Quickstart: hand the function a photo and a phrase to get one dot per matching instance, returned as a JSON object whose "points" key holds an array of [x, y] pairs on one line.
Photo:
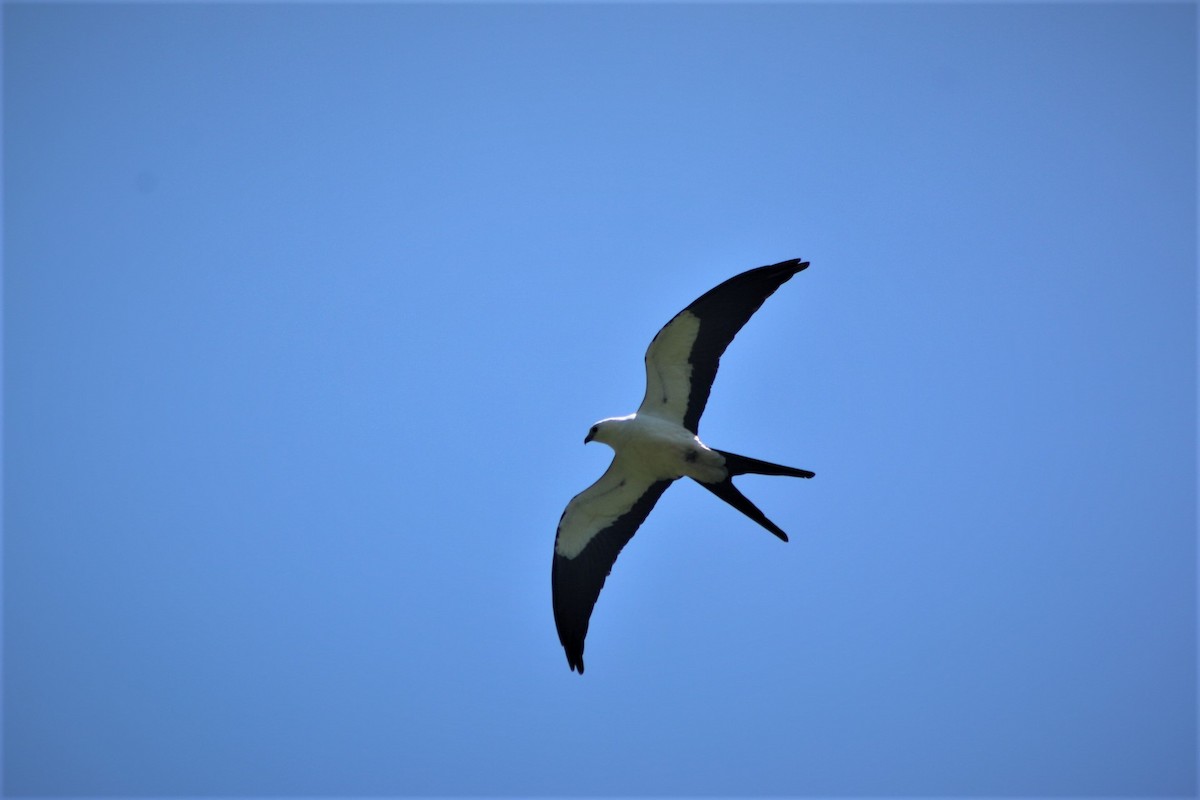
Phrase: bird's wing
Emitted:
{"points": [[682, 361], [596, 524]]}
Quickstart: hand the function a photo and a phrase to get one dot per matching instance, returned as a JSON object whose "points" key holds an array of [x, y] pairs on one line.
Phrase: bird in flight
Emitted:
{"points": [[656, 446]]}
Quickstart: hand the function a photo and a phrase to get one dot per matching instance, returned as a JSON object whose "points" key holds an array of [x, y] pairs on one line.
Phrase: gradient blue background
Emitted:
{"points": [[307, 309]]}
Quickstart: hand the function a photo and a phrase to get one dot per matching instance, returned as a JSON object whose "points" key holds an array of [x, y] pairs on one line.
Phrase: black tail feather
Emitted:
{"points": [[730, 494], [741, 465]]}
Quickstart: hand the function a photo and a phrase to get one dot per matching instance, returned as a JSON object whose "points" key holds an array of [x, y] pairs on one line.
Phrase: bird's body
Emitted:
{"points": [[656, 446], [661, 447]]}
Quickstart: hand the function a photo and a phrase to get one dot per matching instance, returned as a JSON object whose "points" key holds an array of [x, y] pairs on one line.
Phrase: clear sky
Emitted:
{"points": [[307, 309]]}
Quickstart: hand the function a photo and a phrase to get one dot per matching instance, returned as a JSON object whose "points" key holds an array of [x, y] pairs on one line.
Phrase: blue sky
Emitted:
{"points": [[307, 309]]}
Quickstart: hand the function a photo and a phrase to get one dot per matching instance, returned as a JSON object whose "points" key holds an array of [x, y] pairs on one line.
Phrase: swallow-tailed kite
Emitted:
{"points": [[658, 445]]}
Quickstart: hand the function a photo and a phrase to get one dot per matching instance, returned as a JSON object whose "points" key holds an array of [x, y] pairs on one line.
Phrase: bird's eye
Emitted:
{"points": [[592, 432]]}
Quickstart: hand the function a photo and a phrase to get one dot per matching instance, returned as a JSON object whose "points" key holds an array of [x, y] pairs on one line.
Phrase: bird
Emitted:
{"points": [[657, 445]]}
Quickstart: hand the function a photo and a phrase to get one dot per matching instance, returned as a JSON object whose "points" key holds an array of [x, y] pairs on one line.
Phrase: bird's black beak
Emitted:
{"points": [[587, 438]]}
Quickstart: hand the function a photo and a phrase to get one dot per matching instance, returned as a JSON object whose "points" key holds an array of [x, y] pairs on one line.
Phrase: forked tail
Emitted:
{"points": [[741, 465]]}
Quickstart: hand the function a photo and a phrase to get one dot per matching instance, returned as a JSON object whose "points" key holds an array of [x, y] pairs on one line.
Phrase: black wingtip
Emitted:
{"points": [[794, 264]]}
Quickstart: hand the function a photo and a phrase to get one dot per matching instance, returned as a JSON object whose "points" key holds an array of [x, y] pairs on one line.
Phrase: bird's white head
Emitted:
{"points": [[606, 431]]}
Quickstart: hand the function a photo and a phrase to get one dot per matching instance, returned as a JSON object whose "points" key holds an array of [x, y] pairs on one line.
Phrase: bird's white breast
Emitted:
{"points": [[668, 450]]}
